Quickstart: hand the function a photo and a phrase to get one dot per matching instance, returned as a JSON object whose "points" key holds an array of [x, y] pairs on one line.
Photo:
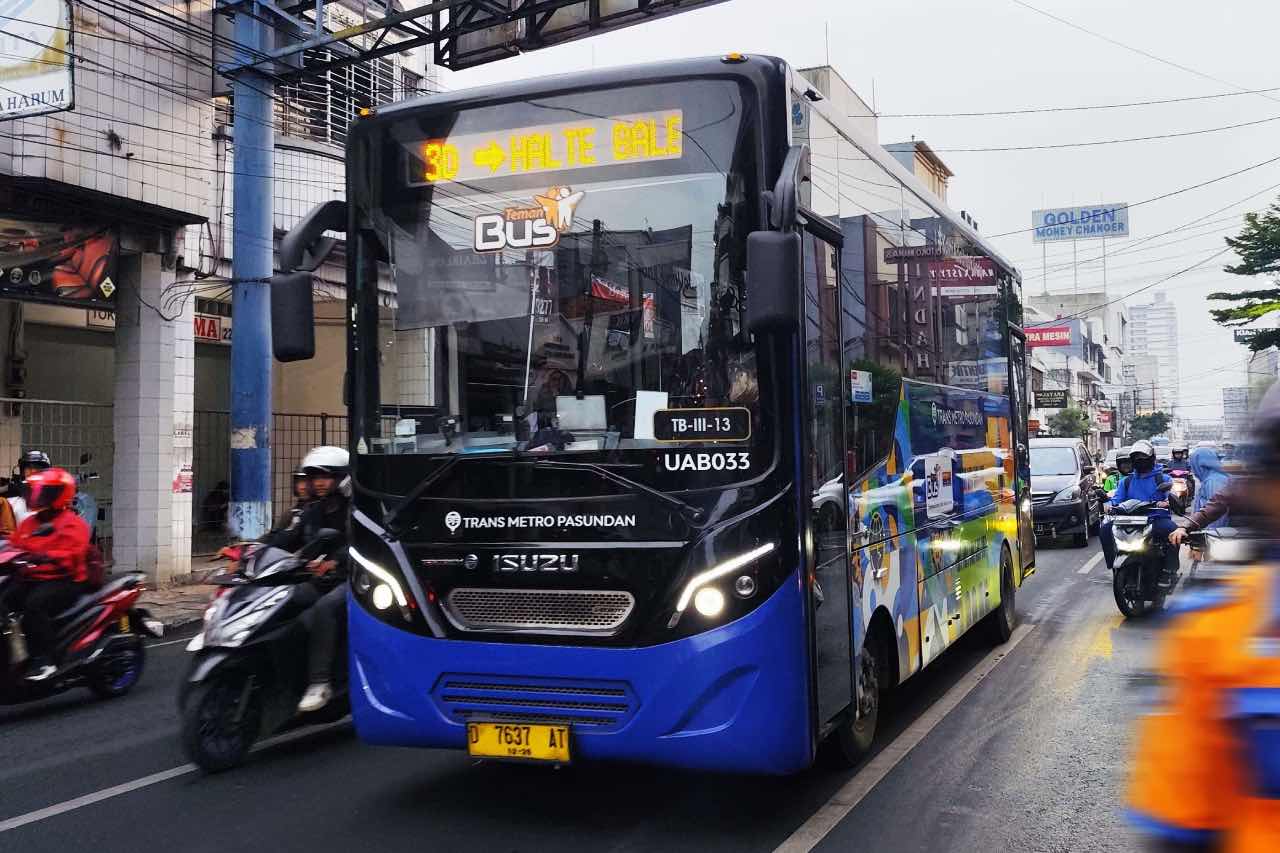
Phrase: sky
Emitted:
{"points": [[948, 56]]}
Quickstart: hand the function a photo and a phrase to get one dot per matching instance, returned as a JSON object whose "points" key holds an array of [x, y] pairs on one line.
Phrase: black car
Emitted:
{"points": [[1064, 490]]}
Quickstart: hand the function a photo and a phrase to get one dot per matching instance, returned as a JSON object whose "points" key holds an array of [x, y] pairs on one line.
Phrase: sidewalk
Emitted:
{"points": [[177, 606]]}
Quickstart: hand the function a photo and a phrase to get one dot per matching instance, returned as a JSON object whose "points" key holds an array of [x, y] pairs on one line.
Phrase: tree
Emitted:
{"points": [[1145, 426], [1258, 246], [1073, 423]]}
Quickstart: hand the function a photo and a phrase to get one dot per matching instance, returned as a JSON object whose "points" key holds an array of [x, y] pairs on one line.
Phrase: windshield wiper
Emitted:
{"points": [[418, 491], [688, 511]]}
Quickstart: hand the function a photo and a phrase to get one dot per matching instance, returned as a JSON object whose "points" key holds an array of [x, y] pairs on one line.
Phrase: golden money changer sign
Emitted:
{"points": [[604, 141], [35, 57]]}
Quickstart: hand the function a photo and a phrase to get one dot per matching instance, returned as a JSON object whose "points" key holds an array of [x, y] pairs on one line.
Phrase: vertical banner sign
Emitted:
{"points": [[36, 74], [1080, 223]]}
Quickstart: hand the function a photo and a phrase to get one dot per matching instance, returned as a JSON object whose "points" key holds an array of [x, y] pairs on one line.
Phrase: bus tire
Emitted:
{"points": [[853, 739], [1002, 620]]}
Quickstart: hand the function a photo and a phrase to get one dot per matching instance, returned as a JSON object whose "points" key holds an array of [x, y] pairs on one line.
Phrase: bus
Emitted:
{"points": [[685, 422]]}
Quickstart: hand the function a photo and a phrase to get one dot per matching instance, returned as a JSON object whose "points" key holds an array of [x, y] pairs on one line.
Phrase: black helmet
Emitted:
{"points": [[34, 459]]}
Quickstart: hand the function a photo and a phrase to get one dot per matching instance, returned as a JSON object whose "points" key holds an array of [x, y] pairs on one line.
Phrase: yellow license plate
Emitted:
{"points": [[525, 742]]}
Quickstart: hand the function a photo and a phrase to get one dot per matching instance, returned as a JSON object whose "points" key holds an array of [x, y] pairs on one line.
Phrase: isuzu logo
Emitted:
{"points": [[535, 562]]}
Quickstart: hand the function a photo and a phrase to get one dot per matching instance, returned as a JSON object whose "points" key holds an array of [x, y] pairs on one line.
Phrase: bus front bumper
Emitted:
{"points": [[735, 698]]}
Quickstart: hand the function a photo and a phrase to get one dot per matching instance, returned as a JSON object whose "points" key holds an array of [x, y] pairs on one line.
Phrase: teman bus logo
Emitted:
{"points": [[535, 227], [453, 520]]}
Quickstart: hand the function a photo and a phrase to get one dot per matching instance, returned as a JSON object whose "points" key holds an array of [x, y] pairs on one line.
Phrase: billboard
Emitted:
{"points": [[35, 57], [1081, 223], [1051, 399], [65, 263], [1049, 336]]}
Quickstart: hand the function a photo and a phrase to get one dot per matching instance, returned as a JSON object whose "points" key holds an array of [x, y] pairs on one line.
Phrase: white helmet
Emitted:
{"points": [[1142, 447], [331, 460]]}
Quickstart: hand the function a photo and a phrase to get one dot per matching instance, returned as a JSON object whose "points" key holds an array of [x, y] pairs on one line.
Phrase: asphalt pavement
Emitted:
{"points": [[1020, 749]]}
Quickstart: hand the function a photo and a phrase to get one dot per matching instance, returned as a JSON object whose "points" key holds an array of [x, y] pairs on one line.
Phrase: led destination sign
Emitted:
{"points": [[606, 141]]}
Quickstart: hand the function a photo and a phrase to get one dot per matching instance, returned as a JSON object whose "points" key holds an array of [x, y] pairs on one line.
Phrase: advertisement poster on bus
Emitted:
{"points": [[36, 58], [64, 263], [939, 494]]}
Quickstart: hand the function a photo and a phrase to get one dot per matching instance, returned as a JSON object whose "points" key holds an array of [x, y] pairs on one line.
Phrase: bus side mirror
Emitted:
{"points": [[773, 282], [293, 328]]}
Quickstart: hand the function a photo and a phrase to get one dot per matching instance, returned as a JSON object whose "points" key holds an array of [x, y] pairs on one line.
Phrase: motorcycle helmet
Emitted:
{"points": [[52, 488], [332, 461], [1180, 452], [1143, 456]]}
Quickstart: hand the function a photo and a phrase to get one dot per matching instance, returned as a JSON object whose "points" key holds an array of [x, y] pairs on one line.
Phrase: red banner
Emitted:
{"points": [[605, 289], [1049, 336]]}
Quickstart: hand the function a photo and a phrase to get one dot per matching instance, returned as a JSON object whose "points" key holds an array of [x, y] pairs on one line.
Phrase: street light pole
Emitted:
{"points": [[249, 514]]}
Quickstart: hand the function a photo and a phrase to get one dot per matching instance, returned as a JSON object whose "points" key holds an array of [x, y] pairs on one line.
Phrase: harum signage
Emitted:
{"points": [[1051, 399], [1081, 223], [35, 57]]}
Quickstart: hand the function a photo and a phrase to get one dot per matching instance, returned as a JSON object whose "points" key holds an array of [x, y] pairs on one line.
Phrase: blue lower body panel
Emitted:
{"points": [[735, 698]]}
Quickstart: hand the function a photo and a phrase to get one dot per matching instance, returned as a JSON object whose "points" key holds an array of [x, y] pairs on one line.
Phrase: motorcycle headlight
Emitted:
{"points": [[1069, 495], [1132, 541], [233, 630]]}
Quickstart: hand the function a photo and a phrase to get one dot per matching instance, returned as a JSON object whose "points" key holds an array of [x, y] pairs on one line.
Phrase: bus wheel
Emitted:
{"points": [[1004, 618], [850, 743]]}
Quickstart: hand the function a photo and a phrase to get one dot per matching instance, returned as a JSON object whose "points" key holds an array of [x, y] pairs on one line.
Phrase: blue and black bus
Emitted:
{"points": [[685, 422]]}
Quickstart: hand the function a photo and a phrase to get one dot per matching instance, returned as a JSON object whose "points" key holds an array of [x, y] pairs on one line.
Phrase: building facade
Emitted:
{"points": [[1153, 329], [133, 372]]}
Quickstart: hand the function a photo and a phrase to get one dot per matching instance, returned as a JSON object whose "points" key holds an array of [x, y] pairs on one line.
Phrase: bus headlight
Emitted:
{"points": [[379, 586], [709, 600]]}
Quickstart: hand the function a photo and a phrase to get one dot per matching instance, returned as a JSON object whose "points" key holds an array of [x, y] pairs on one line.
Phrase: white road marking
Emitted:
{"points": [[1088, 566], [147, 781], [168, 643], [825, 819]]}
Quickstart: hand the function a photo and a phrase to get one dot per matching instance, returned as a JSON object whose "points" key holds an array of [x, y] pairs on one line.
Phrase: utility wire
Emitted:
{"points": [[1084, 108], [1093, 143]]}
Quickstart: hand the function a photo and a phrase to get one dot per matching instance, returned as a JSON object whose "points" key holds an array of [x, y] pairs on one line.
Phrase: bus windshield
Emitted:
{"points": [[561, 269]]}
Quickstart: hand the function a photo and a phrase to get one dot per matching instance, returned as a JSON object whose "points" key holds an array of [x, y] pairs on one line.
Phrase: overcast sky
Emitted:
{"points": [[942, 56]]}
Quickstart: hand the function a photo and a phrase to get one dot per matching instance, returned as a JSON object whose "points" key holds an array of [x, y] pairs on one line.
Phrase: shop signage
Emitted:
{"points": [[894, 254], [1051, 399], [963, 276], [35, 58], [1102, 420], [860, 386], [1081, 223], [58, 262], [1244, 336], [212, 329], [1049, 336]]}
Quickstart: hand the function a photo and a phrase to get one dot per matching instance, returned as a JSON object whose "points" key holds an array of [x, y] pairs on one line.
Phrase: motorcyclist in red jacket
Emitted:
{"points": [[55, 544]]}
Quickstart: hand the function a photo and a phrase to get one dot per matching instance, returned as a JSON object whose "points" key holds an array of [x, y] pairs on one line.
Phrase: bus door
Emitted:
{"points": [[825, 475], [1021, 449]]}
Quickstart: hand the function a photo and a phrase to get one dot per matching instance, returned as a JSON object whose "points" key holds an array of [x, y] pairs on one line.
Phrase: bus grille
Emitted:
{"points": [[599, 705], [539, 611]]}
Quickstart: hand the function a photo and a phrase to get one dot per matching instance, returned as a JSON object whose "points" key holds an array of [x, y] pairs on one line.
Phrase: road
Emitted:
{"points": [[1017, 751]]}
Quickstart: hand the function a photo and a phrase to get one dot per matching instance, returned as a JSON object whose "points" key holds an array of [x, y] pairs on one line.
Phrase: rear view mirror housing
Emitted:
{"points": [[773, 282], [293, 328]]}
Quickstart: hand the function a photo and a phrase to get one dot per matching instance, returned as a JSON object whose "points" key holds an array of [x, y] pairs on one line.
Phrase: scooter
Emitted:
{"points": [[1138, 581], [249, 667], [99, 640]]}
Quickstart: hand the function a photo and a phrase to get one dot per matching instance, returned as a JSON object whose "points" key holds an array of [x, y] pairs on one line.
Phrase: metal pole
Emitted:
{"points": [[1044, 269], [1075, 269], [1104, 269], [251, 267]]}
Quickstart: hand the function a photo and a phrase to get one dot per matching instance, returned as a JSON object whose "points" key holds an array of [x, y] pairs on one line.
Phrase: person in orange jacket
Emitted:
{"points": [[1206, 773], [55, 543]]}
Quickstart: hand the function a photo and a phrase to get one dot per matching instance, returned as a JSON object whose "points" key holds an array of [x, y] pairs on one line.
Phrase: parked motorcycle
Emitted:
{"points": [[99, 640], [249, 669], [1139, 580]]}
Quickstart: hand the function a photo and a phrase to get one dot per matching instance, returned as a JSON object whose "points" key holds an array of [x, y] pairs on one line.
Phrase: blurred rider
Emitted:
{"points": [[1207, 762]]}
